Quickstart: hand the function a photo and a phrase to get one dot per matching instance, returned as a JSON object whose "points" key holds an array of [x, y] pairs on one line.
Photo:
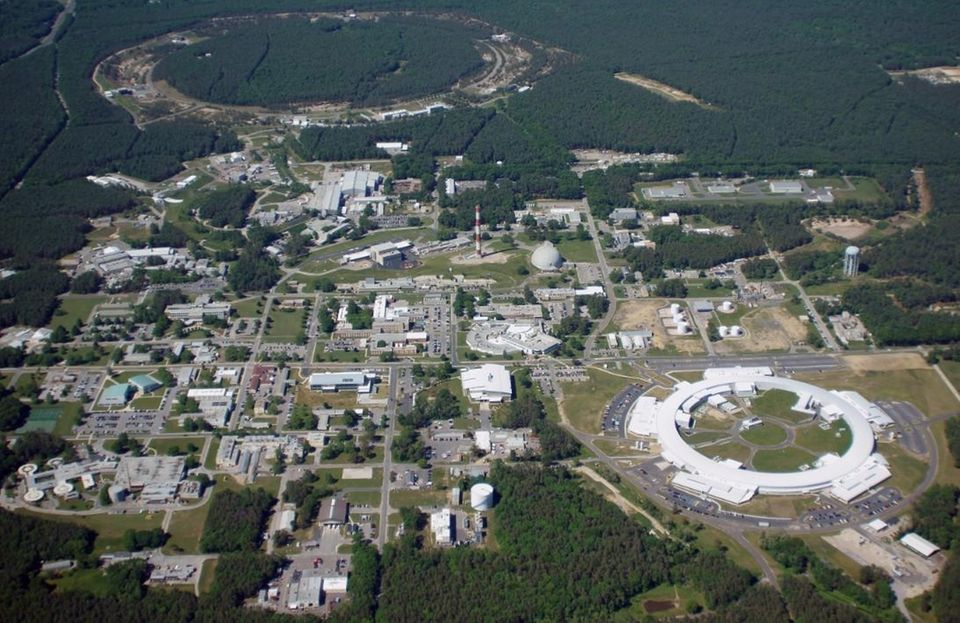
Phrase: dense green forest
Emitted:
{"points": [[277, 61], [236, 520], [23, 23]]}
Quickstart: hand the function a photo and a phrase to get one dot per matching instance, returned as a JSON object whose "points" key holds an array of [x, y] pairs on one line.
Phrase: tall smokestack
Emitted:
{"points": [[477, 231]]}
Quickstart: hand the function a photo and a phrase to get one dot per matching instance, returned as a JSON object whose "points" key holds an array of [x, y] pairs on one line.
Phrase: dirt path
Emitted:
{"points": [[617, 498], [923, 191]]}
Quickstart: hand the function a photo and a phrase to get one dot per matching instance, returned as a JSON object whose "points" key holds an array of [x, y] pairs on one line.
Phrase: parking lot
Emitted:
{"points": [[615, 413]]}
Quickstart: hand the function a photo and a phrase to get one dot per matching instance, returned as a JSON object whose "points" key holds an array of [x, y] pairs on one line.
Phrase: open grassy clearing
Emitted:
{"points": [[787, 459], [837, 438], [248, 308], [922, 387], [774, 402], [727, 450], [108, 526], [163, 445], [58, 419], [578, 250], [73, 308], [87, 580], [285, 325], [775, 505], [417, 497], [365, 498], [583, 402], [908, 471], [951, 369], [765, 434], [207, 573]]}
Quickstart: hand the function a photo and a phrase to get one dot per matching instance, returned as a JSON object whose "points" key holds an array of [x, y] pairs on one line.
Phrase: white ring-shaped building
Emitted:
{"points": [[687, 397]]}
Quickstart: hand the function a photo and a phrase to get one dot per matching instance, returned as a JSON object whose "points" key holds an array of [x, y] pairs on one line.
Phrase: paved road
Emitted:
{"points": [[392, 413]]}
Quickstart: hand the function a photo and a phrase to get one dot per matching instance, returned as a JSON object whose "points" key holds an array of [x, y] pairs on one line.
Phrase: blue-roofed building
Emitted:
{"points": [[145, 383], [116, 395]]}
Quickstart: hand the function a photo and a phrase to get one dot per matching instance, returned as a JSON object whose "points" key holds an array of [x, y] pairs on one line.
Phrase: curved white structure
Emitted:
{"points": [[675, 449], [481, 496], [546, 257], [33, 496]]}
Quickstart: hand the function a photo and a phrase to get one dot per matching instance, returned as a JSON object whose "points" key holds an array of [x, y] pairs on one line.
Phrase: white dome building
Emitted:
{"points": [[546, 257]]}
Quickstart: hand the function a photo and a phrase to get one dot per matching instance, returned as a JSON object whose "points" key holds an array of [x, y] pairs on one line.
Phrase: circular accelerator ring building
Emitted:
{"points": [[844, 477]]}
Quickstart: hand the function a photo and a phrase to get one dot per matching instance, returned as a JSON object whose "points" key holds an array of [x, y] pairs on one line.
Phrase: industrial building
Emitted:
{"points": [[677, 190], [786, 187], [116, 395], [334, 512], [488, 383], [359, 182], [504, 338], [192, 313], [919, 544], [441, 524], [360, 381], [845, 477], [145, 383], [214, 404]]}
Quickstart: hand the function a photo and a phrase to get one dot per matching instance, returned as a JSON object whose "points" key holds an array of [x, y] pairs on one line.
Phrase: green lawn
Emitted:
{"points": [[147, 403], [908, 471], [922, 387], [583, 402], [784, 460], [73, 308], [211, 461], [412, 497], [285, 325], [765, 434], [87, 580], [369, 498], [680, 596], [162, 445], [776, 403], [952, 371], [837, 438], [727, 450], [207, 573], [578, 250], [108, 526], [247, 308]]}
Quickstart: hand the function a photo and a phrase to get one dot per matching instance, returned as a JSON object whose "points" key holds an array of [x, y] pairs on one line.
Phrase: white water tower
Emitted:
{"points": [[851, 261], [481, 496]]}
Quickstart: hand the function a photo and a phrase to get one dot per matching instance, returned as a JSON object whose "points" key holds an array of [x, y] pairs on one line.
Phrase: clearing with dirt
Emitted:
{"points": [[923, 191], [662, 89], [767, 329], [848, 229], [885, 363], [633, 315]]}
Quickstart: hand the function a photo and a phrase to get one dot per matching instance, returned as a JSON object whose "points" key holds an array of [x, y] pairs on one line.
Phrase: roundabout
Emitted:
{"points": [[845, 476]]}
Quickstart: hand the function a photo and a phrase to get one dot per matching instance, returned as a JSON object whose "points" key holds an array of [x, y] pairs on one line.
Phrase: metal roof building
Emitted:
{"points": [[488, 383]]}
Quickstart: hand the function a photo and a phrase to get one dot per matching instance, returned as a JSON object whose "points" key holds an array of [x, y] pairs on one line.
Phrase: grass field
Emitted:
{"points": [[211, 461], [162, 445], [87, 580], [951, 369], [73, 308], [784, 460], [777, 403], [946, 472], [922, 387], [727, 450], [285, 325], [247, 308], [766, 434], [368, 498], [207, 573], [414, 497], [908, 471], [837, 438], [108, 526], [147, 403], [583, 403], [776, 505], [578, 250]]}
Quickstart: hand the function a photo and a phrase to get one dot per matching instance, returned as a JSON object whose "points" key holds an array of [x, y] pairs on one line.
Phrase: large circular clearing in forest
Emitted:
{"points": [[295, 59]]}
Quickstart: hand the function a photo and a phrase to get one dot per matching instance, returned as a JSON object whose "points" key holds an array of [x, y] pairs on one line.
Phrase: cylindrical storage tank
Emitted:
{"points": [[726, 306], [33, 496], [26, 469], [723, 331], [55, 462], [674, 308], [678, 318], [63, 489], [736, 330], [481, 496], [683, 327]]}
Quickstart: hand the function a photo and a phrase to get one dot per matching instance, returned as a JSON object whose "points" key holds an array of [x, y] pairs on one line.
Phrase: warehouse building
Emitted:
{"points": [[360, 381], [488, 383]]}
